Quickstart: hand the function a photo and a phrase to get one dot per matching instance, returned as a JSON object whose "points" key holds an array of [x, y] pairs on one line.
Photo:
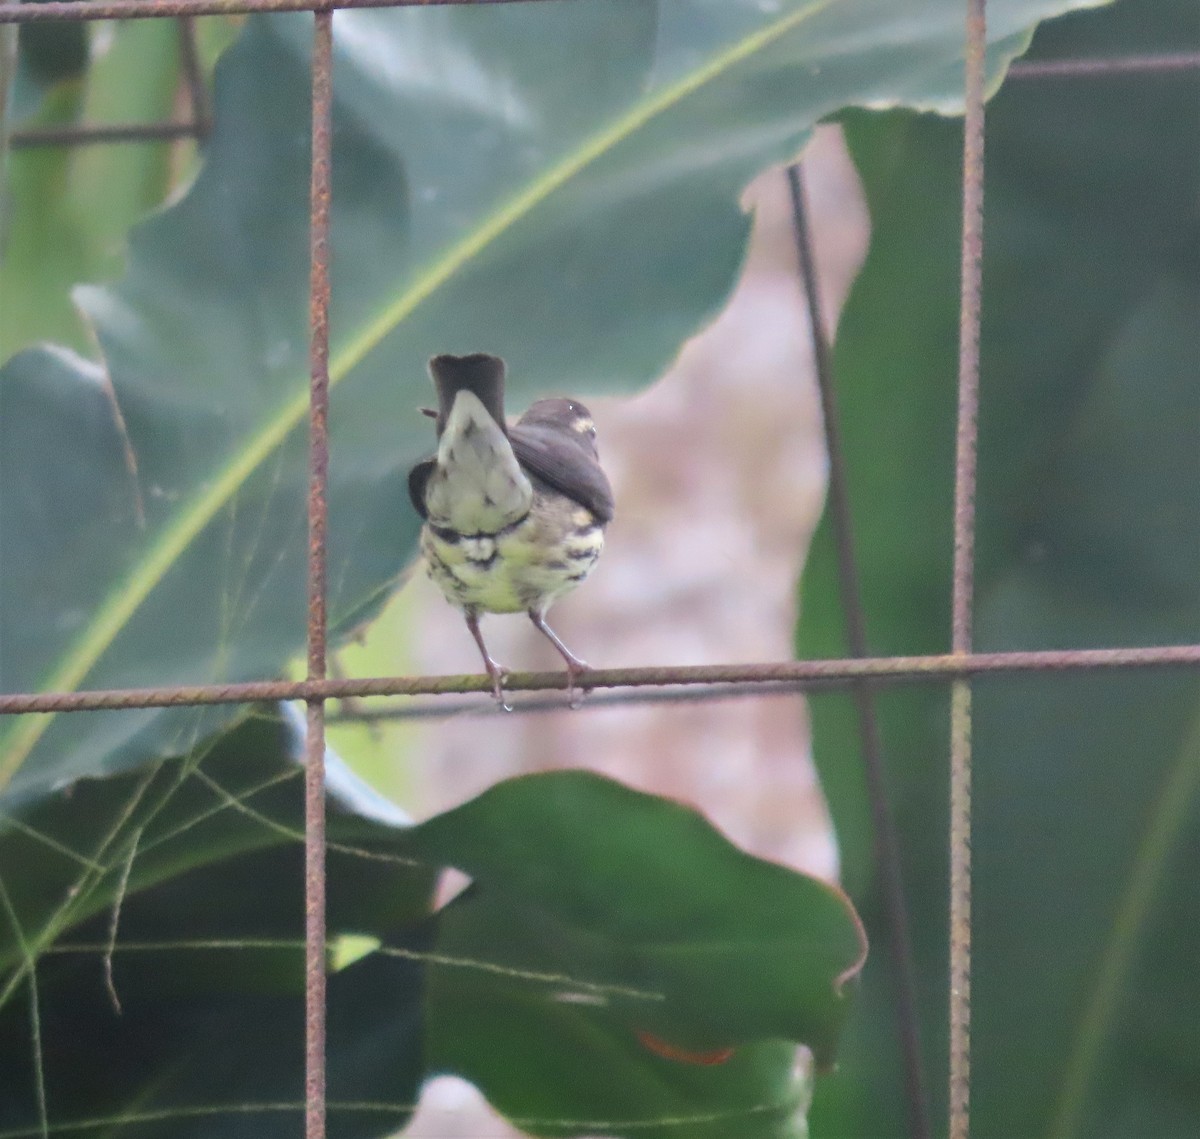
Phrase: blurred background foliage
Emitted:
{"points": [[67, 210], [1086, 806], [1085, 786]]}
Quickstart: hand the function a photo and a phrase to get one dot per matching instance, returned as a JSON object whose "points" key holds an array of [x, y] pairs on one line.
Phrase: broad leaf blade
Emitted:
{"points": [[638, 966], [566, 1061], [491, 191], [1085, 786]]}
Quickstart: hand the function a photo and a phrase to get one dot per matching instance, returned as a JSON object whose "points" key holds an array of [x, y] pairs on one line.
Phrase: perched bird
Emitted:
{"points": [[514, 516]]}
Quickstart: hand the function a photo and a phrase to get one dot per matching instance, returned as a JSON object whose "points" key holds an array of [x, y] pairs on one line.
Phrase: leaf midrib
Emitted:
{"points": [[175, 539]]}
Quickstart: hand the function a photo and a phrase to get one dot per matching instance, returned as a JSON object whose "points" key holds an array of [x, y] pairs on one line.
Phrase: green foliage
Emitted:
{"points": [[554, 182], [203, 858], [67, 209], [708, 951], [1085, 786], [44, 55], [538, 982], [579, 218]]}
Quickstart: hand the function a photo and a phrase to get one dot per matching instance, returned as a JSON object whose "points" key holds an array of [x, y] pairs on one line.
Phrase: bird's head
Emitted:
{"points": [[562, 414]]}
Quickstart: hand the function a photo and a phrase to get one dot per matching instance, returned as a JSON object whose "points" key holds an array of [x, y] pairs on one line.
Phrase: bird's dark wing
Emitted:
{"points": [[481, 374], [417, 478], [563, 462]]}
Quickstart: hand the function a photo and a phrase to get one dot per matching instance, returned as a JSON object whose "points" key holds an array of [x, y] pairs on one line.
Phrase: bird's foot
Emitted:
{"points": [[497, 673], [575, 669]]}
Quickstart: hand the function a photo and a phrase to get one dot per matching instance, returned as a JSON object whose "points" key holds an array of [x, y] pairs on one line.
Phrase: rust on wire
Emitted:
{"points": [[886, 841], [17, 13], [968, 336], [936, 668], [314, 772], [1166, 63], [965, 467]]}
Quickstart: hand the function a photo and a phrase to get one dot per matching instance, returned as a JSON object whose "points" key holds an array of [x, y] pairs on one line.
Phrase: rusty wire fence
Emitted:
{"points": [[860, 673]]}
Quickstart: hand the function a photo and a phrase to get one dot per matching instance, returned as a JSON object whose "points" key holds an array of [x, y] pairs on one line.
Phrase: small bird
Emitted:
{"points": [[514, 516]]}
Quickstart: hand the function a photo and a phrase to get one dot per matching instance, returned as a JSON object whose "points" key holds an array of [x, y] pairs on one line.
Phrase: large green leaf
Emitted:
{"points": [[615, 964], [554, 182], [1086, 787], [660, 893], [568, 1060], [65, 858], [655, 940]]}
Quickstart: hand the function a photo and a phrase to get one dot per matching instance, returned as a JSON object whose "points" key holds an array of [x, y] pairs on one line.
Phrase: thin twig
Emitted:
{"points": [[193, 76], [886, 840], [114, 921]]}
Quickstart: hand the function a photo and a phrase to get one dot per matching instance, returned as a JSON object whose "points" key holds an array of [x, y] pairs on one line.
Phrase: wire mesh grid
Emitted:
{"points": [[860, 673]]}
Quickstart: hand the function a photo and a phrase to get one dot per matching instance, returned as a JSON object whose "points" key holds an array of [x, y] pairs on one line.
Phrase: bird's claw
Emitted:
{"points": [[496, 674], [575, 693]]}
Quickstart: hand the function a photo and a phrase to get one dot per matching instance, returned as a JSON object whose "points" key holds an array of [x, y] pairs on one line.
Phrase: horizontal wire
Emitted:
{"points": [[77, 10], [53, 10], [803, 674], [1160, 63], [448, 707], [90, 134]]}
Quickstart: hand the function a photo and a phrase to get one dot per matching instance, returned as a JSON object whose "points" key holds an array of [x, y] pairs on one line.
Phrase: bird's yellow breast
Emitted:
{"points": [[524, 566]]}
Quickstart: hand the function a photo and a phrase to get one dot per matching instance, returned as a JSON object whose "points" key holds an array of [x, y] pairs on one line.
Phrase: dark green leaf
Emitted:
{"points": [[49, 54], [53, 52], [203, 860], [614, 959], [564, 1057], [1086, 806], [737, 949], [639, 966]]}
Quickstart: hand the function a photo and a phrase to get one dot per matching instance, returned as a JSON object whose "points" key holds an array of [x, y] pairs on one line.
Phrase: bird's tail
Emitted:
{"points": [[480, 374]]}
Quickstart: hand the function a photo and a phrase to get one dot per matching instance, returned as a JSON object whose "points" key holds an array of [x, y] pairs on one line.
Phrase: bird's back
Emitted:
{"points": [[514, 517], [476, 485]]}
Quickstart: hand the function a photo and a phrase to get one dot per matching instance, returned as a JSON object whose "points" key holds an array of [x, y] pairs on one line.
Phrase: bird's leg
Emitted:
{"points": [[575, 666], [494, 670]]}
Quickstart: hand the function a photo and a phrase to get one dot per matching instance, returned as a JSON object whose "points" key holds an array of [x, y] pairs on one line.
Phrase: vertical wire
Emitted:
{"points": [[314, 775], [963, 590], [886, 841], [193, 74]]}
